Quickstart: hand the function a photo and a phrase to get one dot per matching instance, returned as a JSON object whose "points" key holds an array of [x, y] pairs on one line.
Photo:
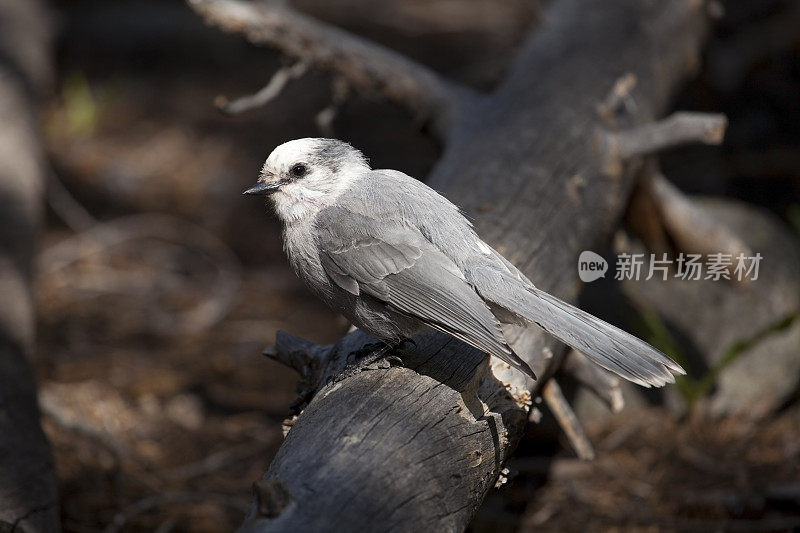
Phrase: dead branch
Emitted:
{"points": [[689, 225], [602, 383], [567, 420], [270, 91], [368, 67], [428, 409], [675, 130]]}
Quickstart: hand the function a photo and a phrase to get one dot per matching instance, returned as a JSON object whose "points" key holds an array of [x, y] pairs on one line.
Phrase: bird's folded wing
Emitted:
{"points": [[398, 266]]}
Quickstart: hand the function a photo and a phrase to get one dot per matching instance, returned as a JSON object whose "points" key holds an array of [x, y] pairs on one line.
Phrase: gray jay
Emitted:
{"points": [[396, 258]]}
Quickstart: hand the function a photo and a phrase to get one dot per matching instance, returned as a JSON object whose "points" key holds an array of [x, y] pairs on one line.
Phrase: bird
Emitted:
{"points": [[397, 259]]}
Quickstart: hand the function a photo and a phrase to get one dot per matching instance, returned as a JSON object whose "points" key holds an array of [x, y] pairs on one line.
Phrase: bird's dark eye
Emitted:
{"points": [[298, 170]]}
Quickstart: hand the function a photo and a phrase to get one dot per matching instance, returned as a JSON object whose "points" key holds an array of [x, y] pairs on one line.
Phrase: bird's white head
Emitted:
{"points": [[305, 175]]}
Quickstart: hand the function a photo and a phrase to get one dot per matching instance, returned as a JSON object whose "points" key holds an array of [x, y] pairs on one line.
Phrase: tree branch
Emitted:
{"points": [[602, 383], [567, 420], [659, 209], [270, 91], [368, 67], [440, 418], [675, 130]]}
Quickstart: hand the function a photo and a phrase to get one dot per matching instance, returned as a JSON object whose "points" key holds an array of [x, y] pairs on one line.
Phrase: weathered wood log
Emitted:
{"points": [[28, 500], [419, 443]]}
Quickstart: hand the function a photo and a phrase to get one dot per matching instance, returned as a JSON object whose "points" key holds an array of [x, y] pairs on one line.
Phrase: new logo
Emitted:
{"points": [[591, 266]]}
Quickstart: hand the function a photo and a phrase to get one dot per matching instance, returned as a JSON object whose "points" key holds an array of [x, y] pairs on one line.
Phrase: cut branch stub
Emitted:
{"points": [[618, 99], [675, 130]]}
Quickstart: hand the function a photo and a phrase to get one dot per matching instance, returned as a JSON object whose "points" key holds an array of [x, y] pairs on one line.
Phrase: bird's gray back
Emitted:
{"points": [[386, 195], [441, 222]]}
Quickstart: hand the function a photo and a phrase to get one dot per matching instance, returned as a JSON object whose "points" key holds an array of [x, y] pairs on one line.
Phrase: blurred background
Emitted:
{"points": [[158, 284]]}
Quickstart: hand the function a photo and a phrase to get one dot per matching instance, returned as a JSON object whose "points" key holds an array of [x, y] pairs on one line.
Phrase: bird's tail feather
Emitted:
{"points": [[608, 346]]}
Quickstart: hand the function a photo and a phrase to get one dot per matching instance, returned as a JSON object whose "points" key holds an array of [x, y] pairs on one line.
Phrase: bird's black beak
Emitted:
{"points": [[263, 189]]}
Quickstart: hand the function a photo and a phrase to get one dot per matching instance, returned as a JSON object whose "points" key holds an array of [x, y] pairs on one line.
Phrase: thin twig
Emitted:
{"points": [[270, 91], [567, 420]]}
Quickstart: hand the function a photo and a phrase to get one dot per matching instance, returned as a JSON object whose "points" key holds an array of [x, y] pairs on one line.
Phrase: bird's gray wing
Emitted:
{"points": [[395, 264]]}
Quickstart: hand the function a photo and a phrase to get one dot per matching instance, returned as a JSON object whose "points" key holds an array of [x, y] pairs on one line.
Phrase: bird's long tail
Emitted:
{"points": [[608, 346]]}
